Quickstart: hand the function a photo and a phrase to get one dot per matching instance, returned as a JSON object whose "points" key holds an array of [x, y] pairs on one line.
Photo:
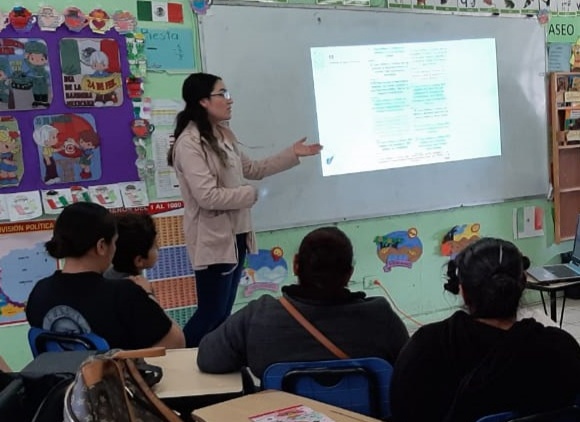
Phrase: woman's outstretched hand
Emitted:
{"points": [[303, 150]]}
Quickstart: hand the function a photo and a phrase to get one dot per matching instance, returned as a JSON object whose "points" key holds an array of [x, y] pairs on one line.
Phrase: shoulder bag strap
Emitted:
{"points": [[333, 348]]}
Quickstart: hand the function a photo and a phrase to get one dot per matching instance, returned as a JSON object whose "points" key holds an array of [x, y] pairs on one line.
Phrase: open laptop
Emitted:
{"points": [[561, 272]]}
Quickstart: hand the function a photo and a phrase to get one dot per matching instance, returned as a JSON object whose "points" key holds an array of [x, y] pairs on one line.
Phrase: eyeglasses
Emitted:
{"points": [[225, 94]]}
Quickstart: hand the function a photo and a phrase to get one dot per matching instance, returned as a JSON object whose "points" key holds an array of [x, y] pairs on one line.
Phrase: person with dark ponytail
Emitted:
{"points": [[263, 332], [78, 299], [485, 361], [211, 170]]}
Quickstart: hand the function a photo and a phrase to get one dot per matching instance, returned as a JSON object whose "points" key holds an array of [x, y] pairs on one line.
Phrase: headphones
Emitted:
{"points": [[452, 276], [452, 284]]}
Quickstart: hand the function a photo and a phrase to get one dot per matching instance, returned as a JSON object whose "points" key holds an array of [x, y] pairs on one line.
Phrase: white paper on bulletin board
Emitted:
{"points": [[166, 184]]}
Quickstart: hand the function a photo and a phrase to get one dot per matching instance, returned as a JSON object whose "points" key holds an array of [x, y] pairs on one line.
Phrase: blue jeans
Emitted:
{"points": [[216, 287]]}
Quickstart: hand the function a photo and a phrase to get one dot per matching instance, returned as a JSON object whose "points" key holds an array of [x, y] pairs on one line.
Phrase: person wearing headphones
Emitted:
{"points": [[483, 360]]}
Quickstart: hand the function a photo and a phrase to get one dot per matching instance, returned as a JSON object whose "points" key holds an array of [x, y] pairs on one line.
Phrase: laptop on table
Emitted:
{"points": [[548, 274]]}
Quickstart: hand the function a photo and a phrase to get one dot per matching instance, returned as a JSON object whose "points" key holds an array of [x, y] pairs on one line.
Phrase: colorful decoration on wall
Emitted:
{"points": [[25, 81], [543, 16], [201, 6], [399, 248], [23, 205], [458, 238], [68, 148], [124, 22], [134, 87], [99, 21], [3, 20], [142, 128], [80, 194], [3, 209], [49, 19], [134, 194], [91, 72], [277, 253], [263, 272], [528, 222], [11, 164], [23, 261], [136, 54], [160, 11], [21, 19], [54, 200], [74, 19], [109, 196]]}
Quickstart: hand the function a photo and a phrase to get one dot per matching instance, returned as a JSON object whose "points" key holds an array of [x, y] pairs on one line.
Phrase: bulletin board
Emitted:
{"points": [[72, 97], [75, 125]]}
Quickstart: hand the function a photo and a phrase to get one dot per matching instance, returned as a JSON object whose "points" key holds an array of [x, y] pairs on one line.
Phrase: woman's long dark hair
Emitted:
{"points": [[195, 88]]}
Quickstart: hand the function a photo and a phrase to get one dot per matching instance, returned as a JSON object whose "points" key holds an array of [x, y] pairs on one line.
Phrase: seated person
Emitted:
{"points": [[263, 332], [79, 299], [484, 361], [136, 248]]}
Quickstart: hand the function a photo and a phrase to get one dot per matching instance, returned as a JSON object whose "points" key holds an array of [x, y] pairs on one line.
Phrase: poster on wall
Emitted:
{"points": [[25, 82], [265, 271], [91, 72], [11, 165], [169, 49], [23, 261], [68, 148]]}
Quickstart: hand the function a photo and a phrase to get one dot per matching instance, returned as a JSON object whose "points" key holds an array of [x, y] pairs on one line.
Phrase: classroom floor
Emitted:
{"points": [[571, 315]]}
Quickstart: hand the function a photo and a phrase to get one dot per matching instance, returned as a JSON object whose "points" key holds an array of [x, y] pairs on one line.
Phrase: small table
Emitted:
{"points": [[242, 408], [182, 377], [552, 289]]}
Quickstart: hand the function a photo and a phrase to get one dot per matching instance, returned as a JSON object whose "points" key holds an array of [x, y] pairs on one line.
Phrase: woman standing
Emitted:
{"points": [[211, 171]]}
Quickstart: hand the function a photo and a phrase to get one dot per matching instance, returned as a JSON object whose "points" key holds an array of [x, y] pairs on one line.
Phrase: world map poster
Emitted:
{"points": [[23, 261]]}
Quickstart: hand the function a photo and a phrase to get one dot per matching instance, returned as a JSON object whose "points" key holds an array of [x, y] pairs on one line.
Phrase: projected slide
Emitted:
{"points": [[398, 105]]}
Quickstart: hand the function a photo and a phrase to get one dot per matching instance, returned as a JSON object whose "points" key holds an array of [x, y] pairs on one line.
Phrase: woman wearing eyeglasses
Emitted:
{"points": [[211, 170]]}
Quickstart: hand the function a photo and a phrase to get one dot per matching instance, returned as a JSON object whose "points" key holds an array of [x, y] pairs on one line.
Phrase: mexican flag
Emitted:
{"points": [[159, 11]]}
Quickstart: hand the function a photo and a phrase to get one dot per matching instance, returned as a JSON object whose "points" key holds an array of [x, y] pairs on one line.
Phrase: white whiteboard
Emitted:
{"points": [[263, 54]]}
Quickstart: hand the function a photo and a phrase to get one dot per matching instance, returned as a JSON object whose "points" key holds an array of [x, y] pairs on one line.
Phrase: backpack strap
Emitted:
{"points": [[150, 352], [325, 341]]}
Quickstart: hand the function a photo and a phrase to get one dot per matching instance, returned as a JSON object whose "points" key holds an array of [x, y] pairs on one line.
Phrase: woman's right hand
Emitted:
{"points": [[255, 193]]}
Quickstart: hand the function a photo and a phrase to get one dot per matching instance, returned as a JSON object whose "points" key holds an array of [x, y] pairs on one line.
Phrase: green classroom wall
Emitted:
{"points": [[417, 291]]}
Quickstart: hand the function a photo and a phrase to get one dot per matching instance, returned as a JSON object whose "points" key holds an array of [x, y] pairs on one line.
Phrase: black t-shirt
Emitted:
{"points": [[120, 311], [529, 368]]}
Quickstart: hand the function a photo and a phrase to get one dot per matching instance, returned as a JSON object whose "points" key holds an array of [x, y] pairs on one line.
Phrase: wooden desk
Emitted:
{"points": [[552, 289], [182, 377], [242, 408]]}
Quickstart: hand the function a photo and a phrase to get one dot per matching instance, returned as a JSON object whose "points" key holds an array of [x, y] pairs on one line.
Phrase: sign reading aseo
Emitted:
{"points": [[563, 29]]}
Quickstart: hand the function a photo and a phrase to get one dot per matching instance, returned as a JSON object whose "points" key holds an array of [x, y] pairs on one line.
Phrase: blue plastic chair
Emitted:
{"points": [[498, 417], [360, 385], [565, 414], [41, 341]]}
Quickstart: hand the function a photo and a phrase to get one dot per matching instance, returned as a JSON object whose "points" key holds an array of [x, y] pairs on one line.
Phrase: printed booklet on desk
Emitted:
{"points": [[299, 413]]}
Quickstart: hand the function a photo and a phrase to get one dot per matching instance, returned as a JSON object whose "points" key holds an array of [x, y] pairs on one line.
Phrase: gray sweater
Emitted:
{"points": [[263, 333]]}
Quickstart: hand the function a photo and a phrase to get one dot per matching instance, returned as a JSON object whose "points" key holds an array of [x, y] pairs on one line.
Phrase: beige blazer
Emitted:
{"points": [[217, 198]]}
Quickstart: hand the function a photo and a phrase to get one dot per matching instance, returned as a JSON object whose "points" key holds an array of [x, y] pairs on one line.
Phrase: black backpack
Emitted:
{"points": [[33, 398]]}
